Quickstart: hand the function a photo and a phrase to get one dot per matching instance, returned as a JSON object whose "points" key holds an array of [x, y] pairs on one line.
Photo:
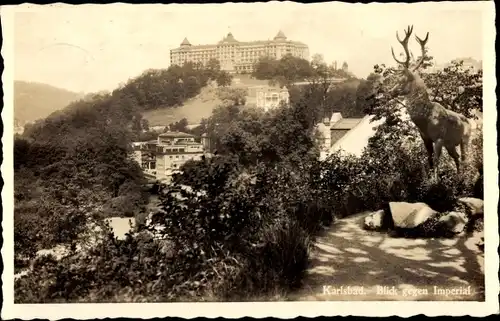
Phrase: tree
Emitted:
{"points": [[283, 72], [457, 88], [224, 79], [320, 84], [317, 60], [76, 162], [343, 98], [213, 68], [232, 96], [145, 124], [265, 68], [179, 126], [292, 69], [366, 92]]}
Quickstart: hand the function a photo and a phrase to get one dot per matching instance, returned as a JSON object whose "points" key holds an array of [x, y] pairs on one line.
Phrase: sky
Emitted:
{"points": [[89, 48]]}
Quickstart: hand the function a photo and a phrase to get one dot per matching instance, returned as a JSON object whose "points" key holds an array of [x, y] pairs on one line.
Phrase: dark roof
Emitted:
{"points": [[228, 38], [175, 134], [186, 45], [346, 123], [280, 35]]}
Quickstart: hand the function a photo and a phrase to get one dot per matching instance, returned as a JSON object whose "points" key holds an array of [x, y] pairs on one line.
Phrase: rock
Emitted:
{"points": [[471, 206], [374, 221], [454, 222], [480, 244], [410, 215]]}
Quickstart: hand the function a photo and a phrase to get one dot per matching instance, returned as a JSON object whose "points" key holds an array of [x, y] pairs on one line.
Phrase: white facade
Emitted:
{"points": [[356, 140], [267, 97], [354, 135], [238, 56], [165, 156], [173, 150]]}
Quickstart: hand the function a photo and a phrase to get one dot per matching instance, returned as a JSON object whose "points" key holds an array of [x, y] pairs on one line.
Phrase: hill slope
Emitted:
{"points": [[198, 107], [193, 109], [34, 101]]}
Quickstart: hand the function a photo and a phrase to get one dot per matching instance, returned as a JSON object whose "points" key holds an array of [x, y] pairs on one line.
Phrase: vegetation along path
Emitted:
{"points": [[347, 257]]}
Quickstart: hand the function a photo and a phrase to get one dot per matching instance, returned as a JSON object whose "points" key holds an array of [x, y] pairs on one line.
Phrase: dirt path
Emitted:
{"points": [[347, 258]]}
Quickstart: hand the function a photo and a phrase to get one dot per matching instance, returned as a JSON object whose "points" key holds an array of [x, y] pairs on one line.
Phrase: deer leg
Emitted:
{"points": [[464, 146], [463, 152], [430, 152], [452, 150], [438, 147]]}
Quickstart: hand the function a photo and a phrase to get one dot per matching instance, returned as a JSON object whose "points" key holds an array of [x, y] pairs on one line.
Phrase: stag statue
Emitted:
{"points": [[437, 125]]}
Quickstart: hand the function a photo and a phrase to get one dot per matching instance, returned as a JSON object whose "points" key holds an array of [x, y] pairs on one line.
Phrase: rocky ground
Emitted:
{"points": [[347, 256]]}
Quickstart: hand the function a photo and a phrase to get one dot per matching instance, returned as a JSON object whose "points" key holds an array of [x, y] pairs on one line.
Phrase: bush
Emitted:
{"points": [[393, 169], [274, 267], [135, 269], [285, 255]]}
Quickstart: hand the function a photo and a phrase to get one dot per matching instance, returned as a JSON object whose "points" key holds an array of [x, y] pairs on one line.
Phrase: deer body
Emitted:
{"points": [[438, 126]]}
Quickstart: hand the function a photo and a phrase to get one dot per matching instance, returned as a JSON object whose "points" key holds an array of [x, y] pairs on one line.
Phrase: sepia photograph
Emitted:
{"points": [[265, 159]]}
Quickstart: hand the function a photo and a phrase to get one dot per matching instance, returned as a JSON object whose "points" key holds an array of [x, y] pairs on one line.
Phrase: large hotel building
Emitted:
{"points": [[237, 56]]}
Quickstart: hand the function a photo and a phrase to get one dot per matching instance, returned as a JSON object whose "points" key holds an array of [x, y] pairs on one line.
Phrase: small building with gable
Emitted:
{"points": [[348, 135]]}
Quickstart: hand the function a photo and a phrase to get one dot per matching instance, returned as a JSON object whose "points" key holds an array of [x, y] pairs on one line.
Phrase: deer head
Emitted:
{"points": [[407, 76]]}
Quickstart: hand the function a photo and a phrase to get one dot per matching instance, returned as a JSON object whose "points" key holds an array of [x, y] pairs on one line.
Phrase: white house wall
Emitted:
{"points": [[355, 141]]}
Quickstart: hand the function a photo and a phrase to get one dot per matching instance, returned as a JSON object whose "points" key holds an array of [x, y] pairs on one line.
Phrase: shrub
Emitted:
{"points": [[131, 270], [273, 267], [391, 169]]}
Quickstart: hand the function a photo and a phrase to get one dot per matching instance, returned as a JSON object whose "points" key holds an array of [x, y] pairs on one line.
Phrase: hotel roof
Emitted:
{"points": [[175, 134], [280, 37]]}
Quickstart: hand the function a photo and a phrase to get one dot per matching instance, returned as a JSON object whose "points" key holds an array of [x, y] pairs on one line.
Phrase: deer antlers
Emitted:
{"points": [[422, 48], [404, 43]]}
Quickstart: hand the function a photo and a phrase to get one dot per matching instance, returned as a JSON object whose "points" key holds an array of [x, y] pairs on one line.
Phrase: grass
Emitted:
{"points": [[193, 109], [196, 108]]}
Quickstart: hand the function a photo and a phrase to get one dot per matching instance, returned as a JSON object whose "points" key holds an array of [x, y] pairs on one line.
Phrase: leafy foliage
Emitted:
{"points": [[232, 96], [394, 165], [234, 226], [224, 79], [457, 88], [73, 166], [180, 126], [216, 229]]}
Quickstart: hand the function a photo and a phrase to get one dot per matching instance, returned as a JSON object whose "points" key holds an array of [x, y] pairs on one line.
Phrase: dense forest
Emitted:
{"points": [[76, 161]]}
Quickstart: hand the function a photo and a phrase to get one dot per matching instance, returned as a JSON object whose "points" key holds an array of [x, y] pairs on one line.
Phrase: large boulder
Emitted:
{"points": [[480, 244], [411, 215], [453, 222], [374, 220], [473, 207]]}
